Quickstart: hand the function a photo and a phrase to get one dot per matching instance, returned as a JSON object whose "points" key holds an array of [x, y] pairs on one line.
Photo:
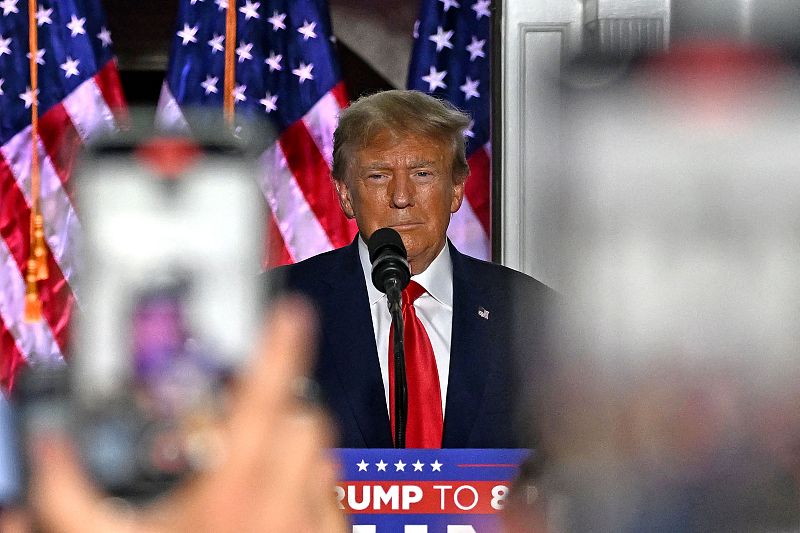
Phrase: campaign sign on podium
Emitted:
{"points": [[426, 491]]}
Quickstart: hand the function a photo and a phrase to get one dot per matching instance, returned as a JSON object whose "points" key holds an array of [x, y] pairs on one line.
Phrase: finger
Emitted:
{"points": [[63, 498], [328, 516], [283, 357], [298, 457]]}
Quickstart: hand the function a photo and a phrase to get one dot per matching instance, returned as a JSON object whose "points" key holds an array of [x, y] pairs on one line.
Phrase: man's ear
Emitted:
{"points": [[343, 192], [458, 195]]}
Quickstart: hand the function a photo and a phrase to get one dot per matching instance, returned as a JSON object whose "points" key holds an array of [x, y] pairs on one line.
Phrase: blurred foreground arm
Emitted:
{"points": [[272, 473]]}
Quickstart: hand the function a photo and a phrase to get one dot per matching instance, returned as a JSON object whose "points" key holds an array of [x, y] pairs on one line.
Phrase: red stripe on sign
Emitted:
{"points": [[11, 359], [107, 79], [277, 253], [54, 292], [478, 187], [339, 92], [62, 142], [509, 465], [422, 497], [313, 177]]}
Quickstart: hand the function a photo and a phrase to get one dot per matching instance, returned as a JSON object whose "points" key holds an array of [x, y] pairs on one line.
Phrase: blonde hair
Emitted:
{"points": [[402, 111]]}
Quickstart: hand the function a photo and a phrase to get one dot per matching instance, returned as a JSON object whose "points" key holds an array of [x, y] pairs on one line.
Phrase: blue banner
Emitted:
{"points": [[426, 491]]}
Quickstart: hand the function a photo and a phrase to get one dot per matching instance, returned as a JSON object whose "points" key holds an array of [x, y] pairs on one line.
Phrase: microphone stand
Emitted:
{"points": [[399, 363]]}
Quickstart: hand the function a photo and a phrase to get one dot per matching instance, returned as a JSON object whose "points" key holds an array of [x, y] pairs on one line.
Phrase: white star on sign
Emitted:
{"points": [[216, 44], [481, 8], [70, 67], [435, 79], [307, 29], [9, 6], [362, 466], [43, 16], [449, 3], [210, 85], [5, 47], [381, 466], [39, 56], [303, 72], [244, 51], [417, 466], [75, 25], [269, 102], [470, 89], [221, 4], [415, 32], [277, 21], [104, 36], [475, 48], [436, 466], [249, 10], [29, 97], [2, 81], [442, 39], [274, 61], [238, 93], [188, 34], [400, 466], [193, 2]]}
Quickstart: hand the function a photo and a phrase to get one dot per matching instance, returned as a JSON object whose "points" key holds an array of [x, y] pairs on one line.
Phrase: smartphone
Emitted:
{"points": [[170, 301]]}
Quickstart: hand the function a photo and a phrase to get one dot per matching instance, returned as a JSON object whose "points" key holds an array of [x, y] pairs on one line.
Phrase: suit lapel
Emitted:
{"points": [[470, 353], [354, 341]]}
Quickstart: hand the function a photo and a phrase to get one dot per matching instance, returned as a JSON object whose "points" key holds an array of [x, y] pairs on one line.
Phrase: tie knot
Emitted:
{"points": [[412, 292]]}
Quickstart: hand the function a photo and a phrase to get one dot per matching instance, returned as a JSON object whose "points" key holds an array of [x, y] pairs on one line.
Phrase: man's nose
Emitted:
{"points": [[402, 191]]}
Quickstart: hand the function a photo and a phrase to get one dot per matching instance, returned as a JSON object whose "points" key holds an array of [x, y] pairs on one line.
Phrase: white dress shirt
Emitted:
{"points": [[434, 309]]}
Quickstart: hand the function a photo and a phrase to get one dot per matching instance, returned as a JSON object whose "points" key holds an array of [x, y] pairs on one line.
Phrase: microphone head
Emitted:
{"points": [[383, 238], [389, 259]]}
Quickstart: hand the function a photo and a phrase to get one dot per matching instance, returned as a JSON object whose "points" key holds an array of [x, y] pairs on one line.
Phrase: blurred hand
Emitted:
{"points": [[273, 472]]}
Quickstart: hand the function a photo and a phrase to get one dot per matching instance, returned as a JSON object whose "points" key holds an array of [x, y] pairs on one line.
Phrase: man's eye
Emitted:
{"points": [[376, 176], [423, 173]]}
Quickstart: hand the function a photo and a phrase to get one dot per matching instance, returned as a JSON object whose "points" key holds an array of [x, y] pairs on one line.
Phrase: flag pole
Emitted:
{"points": [[230, 65]]}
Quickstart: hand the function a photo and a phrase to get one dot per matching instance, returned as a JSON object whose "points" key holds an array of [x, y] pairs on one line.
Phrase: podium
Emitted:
{"points": [[424, 490]]}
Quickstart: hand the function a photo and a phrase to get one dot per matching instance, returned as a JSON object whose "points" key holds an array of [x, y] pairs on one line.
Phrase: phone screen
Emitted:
{"points": [[171, 281], [171, 302]]}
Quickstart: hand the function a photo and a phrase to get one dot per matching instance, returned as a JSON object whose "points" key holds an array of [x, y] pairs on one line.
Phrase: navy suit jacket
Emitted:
{"points": [[481, 392]]}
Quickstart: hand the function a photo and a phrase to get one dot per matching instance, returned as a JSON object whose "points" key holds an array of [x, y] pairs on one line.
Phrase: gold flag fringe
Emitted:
{"points": [[37, 258]]}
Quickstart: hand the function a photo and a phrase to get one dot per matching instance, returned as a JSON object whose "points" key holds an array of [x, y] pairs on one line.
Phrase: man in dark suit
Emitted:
{"points": [[399, 162]]}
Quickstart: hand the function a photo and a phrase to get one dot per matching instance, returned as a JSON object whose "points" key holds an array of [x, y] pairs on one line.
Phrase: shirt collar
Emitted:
{"points": [[437, 278]]}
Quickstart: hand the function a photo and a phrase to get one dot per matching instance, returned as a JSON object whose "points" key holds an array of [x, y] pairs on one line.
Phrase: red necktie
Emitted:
{"points": [[425, 420]]}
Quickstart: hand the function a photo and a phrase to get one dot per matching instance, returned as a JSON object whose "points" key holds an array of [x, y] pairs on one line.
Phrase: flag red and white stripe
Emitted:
{"points": [[295, 179], [87, 111]]}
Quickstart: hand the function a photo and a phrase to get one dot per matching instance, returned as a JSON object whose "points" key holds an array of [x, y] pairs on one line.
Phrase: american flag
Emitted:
{"points": [[451, 61], [286, 72], [79, 94]]}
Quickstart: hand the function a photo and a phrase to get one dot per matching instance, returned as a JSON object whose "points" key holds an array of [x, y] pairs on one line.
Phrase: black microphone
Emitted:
{"points": [[390, 272], [390, 275]]}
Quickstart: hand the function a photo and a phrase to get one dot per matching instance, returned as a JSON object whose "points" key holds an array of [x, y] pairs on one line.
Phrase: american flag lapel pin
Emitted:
{"points": [[483, 313]]}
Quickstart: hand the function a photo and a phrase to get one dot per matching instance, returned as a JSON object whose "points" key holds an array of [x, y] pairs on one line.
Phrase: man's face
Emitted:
{"points": [[404, 183]]}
